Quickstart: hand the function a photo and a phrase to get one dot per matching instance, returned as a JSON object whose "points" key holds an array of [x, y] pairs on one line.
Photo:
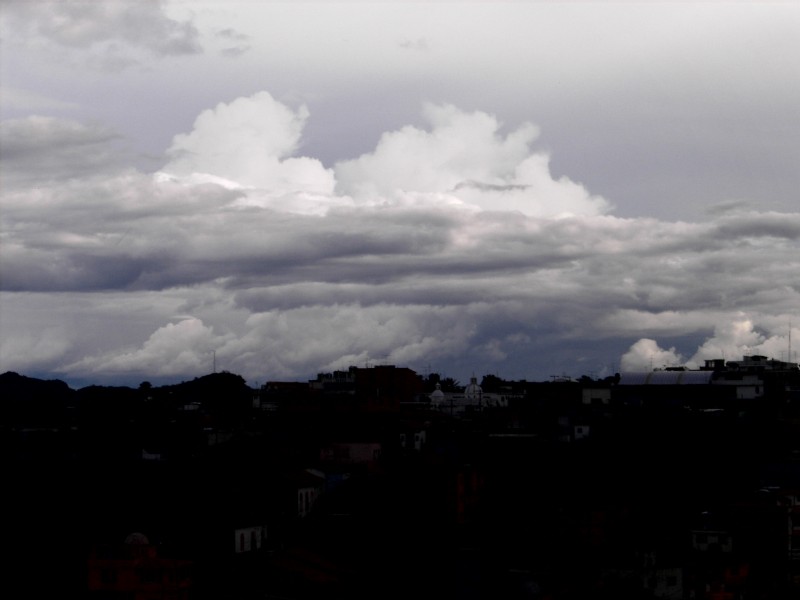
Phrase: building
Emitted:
{"points": [[379, 389], [134, 570], [471, 402]]}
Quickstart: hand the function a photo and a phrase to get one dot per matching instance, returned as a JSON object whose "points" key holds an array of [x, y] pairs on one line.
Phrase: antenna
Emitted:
{"points": [[214, 363]]}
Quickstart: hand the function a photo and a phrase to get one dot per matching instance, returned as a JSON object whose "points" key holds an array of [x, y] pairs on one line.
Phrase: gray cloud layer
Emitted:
{"points": [[83, 24], [262, 262], [159, 205]]}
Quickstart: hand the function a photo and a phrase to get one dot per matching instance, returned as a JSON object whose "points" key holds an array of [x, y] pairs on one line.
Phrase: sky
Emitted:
{"points": [[278, 189]]}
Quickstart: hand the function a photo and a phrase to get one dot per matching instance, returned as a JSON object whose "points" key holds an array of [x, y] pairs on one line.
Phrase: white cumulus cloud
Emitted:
{"points": [[250, 141], [465, 156], [173, 349], [646, 355]]}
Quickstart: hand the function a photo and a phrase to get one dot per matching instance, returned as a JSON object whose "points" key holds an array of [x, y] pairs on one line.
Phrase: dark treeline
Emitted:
{"points": [[360, 485]]}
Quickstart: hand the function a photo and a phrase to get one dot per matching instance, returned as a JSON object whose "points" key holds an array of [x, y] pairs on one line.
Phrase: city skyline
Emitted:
{"points": [[281, 189]]}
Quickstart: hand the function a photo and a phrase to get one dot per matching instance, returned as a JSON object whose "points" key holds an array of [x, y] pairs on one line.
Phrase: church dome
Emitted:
{"points": [[137, 539], [473, 391], [437, 396]]}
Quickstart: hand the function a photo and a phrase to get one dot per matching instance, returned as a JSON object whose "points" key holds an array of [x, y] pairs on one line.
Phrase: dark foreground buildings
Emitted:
{"points": [[381, 483]]}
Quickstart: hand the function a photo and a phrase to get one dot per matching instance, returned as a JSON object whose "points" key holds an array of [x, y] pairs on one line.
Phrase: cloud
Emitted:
{"points": [[752, 225], [29, 351], [250, 141], [742, 335], [463, 160], [43, 149], [115, 27], [452, 246], [231, 34], [336, 336], [420, 44], [173, 349], [645, 355], [18, 99], [234, 51], [464, 156], [239, 40], [734, 336]]}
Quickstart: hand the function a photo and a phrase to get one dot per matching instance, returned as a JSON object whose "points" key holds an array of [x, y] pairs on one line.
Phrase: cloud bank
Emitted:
{"points": [[450, 246], [119, 33]]}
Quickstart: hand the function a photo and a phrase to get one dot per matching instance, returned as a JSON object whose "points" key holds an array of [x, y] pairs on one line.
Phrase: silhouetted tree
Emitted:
{"points": [[492, 383], [450, 385]]}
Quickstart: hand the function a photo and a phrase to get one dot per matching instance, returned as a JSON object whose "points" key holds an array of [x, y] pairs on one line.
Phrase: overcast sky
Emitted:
{"points": [[525, 189]]}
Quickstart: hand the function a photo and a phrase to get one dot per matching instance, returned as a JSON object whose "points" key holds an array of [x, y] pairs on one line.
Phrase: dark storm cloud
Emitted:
{"points": [[78, 271], [276, 255], [132, 234], [760, 225], [321, 293], [46, 148]]}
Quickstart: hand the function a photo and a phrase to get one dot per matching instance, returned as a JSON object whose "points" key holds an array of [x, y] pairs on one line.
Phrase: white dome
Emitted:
{"points": [[473, 391], [437, 396], [138, 539]]}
